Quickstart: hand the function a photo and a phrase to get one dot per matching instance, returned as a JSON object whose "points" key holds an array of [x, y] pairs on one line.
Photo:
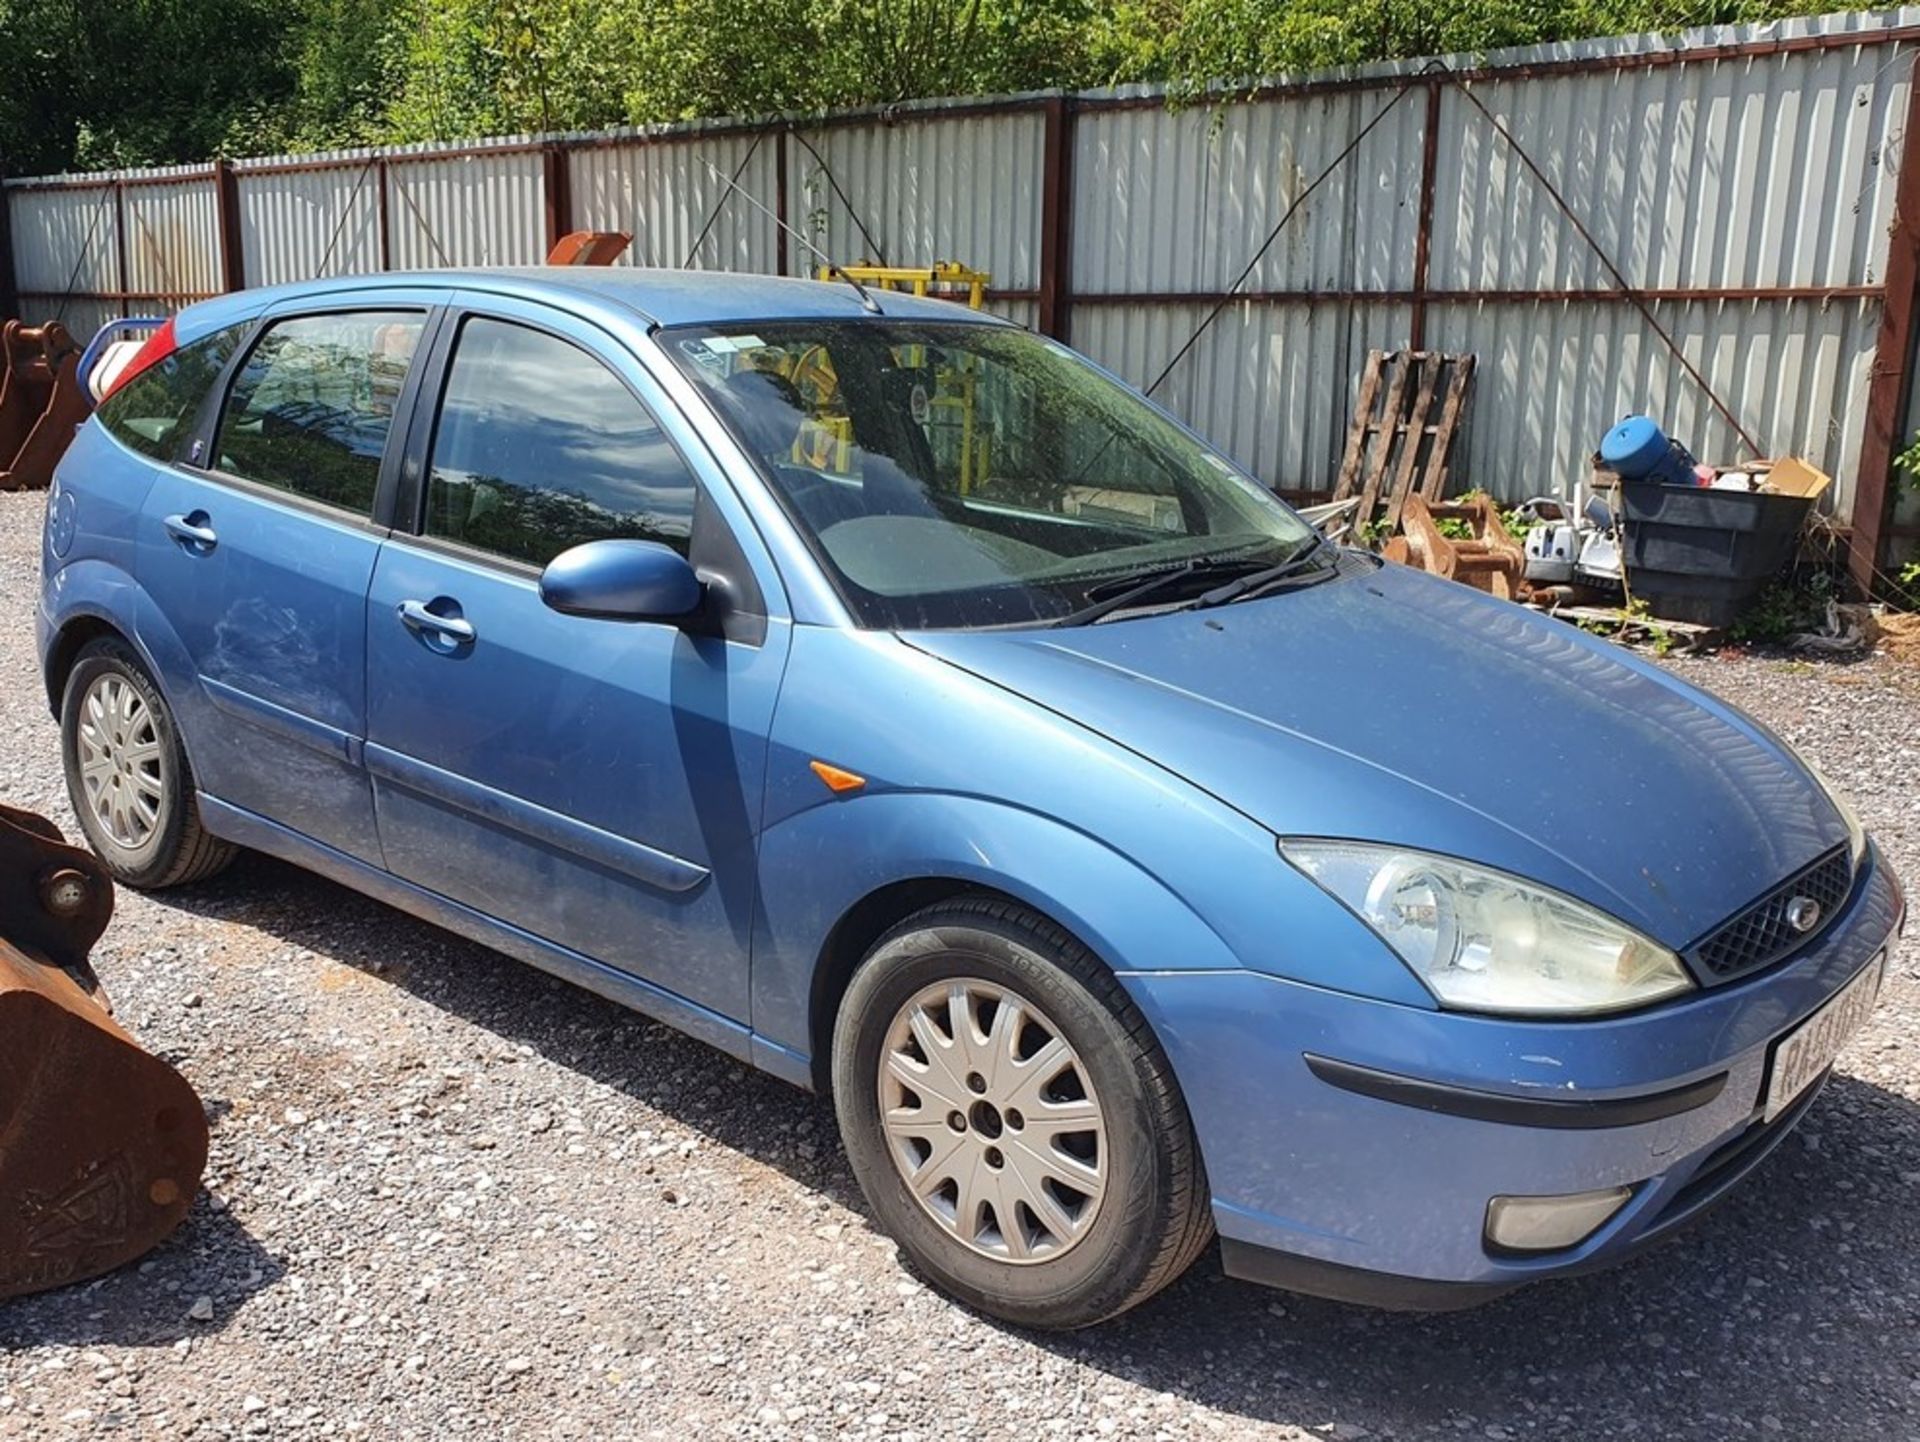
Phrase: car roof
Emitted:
{"points": [[657, 297]]}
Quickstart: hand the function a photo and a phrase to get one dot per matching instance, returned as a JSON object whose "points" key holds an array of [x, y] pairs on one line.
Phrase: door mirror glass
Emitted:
{"points": [[622, 580]]}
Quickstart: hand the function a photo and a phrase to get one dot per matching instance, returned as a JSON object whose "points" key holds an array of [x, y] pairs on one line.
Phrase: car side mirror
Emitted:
{"points": [[622, 581]]}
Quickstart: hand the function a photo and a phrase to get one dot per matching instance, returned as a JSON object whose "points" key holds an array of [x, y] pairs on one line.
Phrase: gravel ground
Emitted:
{"points": [[450, 1197]]}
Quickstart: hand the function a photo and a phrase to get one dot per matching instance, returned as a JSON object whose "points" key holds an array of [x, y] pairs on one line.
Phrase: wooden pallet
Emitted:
{"points": [[1620, 625], [1404, 424]]}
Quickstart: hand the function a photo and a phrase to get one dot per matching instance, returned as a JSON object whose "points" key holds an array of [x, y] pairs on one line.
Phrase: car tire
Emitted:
{"points": [[128, 777], [1138, 1169]]}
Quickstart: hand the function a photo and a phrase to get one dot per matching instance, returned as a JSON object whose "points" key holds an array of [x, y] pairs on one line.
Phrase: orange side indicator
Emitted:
{"points": [[836, 778]]}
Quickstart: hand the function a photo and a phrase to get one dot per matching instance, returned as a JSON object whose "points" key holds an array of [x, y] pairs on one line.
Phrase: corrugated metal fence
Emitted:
{"points": [[1743, 181]]}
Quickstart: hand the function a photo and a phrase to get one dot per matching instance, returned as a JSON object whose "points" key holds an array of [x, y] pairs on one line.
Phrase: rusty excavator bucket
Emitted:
{"points": [[41, 402], [101, 1143], [589, 247]]}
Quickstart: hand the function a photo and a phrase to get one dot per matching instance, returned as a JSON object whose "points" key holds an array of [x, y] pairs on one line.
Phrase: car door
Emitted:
{"points": [[596, 783], [260, 550]]}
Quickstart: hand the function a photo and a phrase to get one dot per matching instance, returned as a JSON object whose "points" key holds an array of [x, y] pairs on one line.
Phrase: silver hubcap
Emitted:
{"points": [[992, 1121], [120, 761]]}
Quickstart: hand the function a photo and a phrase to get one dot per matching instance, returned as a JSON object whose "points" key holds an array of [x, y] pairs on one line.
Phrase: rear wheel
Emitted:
{"points": [[127, 773], [1012, 1121]]}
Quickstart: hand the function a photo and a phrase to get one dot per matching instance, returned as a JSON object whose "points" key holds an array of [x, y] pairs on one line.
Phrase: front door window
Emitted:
{"points": [[540, 448]]}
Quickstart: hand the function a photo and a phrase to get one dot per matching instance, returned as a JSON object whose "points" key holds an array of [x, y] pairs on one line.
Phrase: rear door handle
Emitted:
{"points": [[193, 531], [416, 617]]}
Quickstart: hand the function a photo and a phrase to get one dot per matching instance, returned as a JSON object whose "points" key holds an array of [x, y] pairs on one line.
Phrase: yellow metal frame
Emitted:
{"points": [[942, 275], [941, 280]]}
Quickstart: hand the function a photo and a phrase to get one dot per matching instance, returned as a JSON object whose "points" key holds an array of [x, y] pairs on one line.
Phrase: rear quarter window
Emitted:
{"points": [[153, 412]]}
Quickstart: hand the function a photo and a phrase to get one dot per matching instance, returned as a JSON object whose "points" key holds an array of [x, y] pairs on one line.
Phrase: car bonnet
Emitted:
{"points": [[1389, 706]]}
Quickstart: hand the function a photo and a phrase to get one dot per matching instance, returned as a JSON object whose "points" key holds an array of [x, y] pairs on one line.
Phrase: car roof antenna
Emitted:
{"points": [[867, 301]]}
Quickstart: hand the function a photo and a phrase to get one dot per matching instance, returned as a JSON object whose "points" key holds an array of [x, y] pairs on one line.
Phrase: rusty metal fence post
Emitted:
{"points": [[233, 264], [1887, 391], [380, 216], [780, 204], [1056, 218], [557, 185], [1423, 232], [120, 243]]}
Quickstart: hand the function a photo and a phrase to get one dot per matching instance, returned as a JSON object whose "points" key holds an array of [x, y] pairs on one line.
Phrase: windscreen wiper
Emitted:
{"points": [[1256, 582], [1134, 590]]}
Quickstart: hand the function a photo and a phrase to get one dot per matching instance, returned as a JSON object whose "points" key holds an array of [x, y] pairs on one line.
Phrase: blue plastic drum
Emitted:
{"points": [[1638, 450]]}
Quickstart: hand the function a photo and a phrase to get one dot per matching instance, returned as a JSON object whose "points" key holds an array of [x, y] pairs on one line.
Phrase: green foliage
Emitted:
{"points": [[1516, 524], [480, 67], [1908, 594], [1906, 464], [97, 83], [1633, 623], [1906, 473], [127, 82], [1787, 607], [350, 57], [1638, 614]]}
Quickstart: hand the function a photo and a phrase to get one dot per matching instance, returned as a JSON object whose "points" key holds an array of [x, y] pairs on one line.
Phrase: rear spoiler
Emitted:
{"points": [[126, 328]]}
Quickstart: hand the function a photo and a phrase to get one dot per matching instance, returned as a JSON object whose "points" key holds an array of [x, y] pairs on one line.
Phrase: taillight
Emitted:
{"points": [[159, 346]]}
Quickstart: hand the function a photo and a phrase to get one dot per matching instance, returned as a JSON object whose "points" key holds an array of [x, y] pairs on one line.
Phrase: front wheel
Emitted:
{"points": [[127, 773], [1012, 1121]]}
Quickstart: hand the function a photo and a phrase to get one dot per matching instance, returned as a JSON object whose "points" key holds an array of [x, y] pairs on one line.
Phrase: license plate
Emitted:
{"points": [[1810, 1049]]}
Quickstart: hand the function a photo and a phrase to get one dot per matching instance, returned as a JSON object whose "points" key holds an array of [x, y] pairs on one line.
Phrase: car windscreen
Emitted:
{"points": [[965, 475]]}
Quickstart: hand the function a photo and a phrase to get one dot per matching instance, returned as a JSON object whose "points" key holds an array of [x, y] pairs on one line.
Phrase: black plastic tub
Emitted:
{"points": [[1697, 554]]}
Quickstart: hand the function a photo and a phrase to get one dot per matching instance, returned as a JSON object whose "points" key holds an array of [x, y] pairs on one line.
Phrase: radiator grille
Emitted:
{"points": [[1762, 935]]}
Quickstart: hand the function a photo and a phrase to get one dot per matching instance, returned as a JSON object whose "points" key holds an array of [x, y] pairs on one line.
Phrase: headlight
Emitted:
{"points": [[1484, 941]]}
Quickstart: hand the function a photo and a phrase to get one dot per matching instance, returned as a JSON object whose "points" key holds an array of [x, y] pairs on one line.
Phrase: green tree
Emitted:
{"points": [[479, 67], [93, 83], [128, 82], [350, 56], [720, 57]]}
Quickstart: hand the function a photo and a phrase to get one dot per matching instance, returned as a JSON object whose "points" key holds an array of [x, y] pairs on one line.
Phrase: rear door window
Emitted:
{"points": [[310, 409], [540, 447], [153, 412]]}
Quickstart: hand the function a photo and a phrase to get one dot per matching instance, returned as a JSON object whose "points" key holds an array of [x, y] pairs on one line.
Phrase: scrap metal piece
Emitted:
{"points": [[589, 247], [1489, 558], [102, 1144], [41, 402], [943, 280], [1332, 519]]}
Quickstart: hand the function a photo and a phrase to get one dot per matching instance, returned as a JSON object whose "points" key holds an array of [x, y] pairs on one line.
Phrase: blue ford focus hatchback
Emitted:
{"points": [[895, 700]]}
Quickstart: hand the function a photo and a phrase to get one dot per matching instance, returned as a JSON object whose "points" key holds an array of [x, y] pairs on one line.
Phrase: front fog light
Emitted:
{"points": [[1550, 1224]]}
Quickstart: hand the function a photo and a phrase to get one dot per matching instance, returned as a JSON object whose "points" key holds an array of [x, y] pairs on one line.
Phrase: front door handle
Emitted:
{"points": [[193, 531], [416, 617]]}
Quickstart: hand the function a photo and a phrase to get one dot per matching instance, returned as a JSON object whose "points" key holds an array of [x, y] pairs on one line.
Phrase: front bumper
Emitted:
{"points": [[1341, 1188]]}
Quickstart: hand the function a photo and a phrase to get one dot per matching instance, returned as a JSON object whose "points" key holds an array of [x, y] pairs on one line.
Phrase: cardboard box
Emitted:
{"points": [[1795, 477]]}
